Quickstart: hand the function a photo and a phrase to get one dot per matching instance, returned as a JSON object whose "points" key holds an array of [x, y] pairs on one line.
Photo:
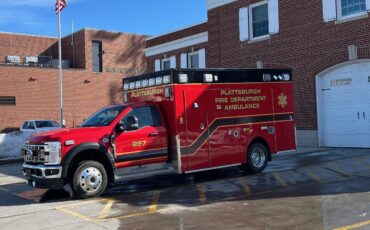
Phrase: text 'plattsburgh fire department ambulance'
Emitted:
{"points": [[174, 121]]}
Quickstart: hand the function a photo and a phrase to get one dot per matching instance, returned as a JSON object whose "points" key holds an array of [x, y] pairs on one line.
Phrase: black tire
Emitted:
{"points": [[89, 179], [257, 158]]}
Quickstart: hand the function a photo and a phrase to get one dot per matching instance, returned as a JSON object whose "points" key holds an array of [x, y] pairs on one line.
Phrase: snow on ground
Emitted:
{"points": [[11, 144]]}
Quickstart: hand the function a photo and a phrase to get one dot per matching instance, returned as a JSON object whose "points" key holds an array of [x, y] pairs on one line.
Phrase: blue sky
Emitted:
{"points": [[149, 17]]}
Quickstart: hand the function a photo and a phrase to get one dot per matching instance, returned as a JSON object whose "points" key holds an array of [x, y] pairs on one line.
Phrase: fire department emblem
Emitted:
{"points": [[282, 100]]}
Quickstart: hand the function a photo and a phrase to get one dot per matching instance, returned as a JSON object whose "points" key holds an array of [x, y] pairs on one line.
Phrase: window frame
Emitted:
{"points": [[158, 123], [250, 19], [189, 59], [100, 54], [340, 15], [163, 61]]}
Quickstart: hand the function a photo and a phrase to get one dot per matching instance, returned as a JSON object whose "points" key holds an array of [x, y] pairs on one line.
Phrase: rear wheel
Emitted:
{"points": [[257, 158], [90, 179]]}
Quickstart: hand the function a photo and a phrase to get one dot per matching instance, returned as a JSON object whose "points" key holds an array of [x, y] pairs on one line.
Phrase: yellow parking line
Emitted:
{"points": [[82, 203], [76, 214], [361, 163], [280, 180], [353, 226], [106, 210], [312, 174], [137, 214], [245, 186], [335, 168], [153, 207], [202, 194]]}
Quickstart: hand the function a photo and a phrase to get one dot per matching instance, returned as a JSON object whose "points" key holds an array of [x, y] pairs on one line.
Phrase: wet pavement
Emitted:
{"points": [[305, 189]]}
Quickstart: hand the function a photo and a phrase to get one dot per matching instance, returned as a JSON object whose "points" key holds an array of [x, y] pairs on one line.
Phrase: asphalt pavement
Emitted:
{"points": [[304, 189]]}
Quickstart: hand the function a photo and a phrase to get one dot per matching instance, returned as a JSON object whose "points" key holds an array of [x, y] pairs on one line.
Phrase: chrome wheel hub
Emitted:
{"points": [[258, 158], [90, 179]]}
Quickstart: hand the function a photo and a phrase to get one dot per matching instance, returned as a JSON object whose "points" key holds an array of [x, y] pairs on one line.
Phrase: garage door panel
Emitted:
{"points": [[346, 106]]}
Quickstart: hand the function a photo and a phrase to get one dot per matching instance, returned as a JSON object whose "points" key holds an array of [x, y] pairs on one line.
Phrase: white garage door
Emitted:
{"points": [[346, 106]]}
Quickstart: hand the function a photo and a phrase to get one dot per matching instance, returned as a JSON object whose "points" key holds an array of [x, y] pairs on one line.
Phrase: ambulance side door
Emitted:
{"points": [[148, 144]]}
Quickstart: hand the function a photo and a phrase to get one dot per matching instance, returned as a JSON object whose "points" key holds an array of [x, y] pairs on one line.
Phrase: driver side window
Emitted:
{"points": [[147, 116]]}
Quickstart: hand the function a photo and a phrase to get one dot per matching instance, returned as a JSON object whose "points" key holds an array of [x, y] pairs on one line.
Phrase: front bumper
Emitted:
{"points": [[41, 176]]}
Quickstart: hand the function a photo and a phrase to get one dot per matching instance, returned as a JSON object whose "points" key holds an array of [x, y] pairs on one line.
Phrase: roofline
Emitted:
{"points": [[183, 42], [174, 31], [29, 35], [44, 36], [112, 31]]}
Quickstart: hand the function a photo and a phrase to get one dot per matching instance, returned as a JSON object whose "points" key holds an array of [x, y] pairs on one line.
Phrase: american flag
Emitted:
{"points": [[63, 4]]}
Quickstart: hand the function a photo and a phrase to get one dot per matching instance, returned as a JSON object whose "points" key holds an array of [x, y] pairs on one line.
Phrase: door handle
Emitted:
{"points": [[201, 126], [153, 134], [358, 115], [364, 115]]}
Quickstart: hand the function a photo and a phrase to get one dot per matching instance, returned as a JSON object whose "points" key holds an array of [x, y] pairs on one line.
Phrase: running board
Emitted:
{"points": [[143, 171]]}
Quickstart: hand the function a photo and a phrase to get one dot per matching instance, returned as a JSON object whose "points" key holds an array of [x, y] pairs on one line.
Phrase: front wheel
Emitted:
{"points": [[90, 179], [257, 158]]}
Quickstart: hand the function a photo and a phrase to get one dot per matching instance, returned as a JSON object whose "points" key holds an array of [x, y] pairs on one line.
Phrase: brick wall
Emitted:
{"points": [[36, 92], [304, 43], [24, 46], [36, 89], [122, 52]]}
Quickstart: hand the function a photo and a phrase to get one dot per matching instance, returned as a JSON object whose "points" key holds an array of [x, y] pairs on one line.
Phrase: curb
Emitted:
{"points": [[11, 161]]}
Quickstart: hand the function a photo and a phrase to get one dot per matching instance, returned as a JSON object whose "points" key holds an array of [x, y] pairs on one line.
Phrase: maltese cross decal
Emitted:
{"points": [[282, 100]]}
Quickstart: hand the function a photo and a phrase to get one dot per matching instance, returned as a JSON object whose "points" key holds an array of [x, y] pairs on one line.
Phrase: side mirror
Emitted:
{"points": [[120, 127], [132, 123]]}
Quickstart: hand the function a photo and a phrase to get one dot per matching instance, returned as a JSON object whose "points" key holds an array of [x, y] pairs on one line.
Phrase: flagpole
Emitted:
{"points": [[60, 69]]}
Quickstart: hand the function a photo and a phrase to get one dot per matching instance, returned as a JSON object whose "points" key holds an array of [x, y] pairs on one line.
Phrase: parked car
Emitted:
{"points": [[38, 126]]}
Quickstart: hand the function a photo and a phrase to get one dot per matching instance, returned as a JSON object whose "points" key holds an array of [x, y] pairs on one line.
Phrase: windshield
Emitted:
{"points": [[103, 117], [46, 124]]}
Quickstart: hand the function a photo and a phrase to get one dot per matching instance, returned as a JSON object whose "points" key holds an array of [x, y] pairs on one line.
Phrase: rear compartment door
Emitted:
{"points": [[197, 129], [284, 118]]}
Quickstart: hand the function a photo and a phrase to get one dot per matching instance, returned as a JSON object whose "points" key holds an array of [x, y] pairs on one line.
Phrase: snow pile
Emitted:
{"points": [[11, 144]]}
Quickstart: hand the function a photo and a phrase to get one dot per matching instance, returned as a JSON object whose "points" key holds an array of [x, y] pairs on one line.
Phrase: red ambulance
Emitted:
{"points": [[173, 121]]}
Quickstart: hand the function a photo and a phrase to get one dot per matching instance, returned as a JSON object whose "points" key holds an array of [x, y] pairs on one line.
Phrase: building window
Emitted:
{"points": [[97, 56], [259, 19], [166, 64], [193, 60], [7, 100], [350, 7]]}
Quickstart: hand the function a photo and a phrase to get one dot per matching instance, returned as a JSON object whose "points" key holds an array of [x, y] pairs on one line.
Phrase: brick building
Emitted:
{"points": [[94, 63], [325, 42]]}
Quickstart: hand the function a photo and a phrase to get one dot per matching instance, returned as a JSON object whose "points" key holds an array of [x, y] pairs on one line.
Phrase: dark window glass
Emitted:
{"points": [[166, 64], [97, 56], [157, 120], [194, 61], [46, 124], [260, 21], [24, 126], [144, 116], [147, 116], [30, 125], [103, 117], [353, 7]]}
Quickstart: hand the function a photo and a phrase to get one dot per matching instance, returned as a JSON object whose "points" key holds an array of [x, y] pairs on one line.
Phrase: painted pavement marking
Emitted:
{"points": [[312, 175], [245, 186], [280, 179], [353, 226]]}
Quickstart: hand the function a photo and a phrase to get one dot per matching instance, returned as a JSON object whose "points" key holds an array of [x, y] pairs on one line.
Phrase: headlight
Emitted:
{"points": [[55, 152]]}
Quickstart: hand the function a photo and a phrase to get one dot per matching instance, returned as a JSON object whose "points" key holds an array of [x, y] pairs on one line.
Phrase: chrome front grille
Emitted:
{"points": [[35, 154]]}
